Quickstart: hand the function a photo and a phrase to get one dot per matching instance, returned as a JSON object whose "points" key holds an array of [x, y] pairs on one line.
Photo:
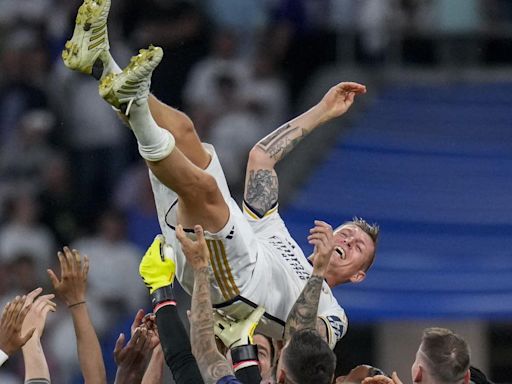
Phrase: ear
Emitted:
{"points": [[358, 277], [281, 376], [467, 377], [418, 375]]}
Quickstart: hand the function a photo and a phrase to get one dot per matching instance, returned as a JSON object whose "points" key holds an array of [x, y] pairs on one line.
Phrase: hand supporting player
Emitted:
{"points": [[157, 267], [236, 333], [196, 251], [381, 379]]}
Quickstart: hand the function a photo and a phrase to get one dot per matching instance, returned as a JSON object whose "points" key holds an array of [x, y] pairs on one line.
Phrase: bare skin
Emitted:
{"points": [[212, 364], [303, 315], [200, 199]]}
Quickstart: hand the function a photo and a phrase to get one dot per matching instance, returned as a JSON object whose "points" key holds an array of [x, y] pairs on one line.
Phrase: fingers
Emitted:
{"points": [[180, 234], [44, 304], [321, 232], [70, 258], [137, 321], [395, 378], [256, 315], [77, 260], [32, 295], [199, 233], [119, 344], [53, 278], [85, 270], [351, 87], [19, 312], [64, 267]]}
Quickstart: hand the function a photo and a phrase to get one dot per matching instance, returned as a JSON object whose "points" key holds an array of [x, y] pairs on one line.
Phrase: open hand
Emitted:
{"points": [[132, 358], [11, 322], [36, 317], [196, 252], [73, 271]]}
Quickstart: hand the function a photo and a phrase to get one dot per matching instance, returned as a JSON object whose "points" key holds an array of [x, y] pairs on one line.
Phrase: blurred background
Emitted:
{"points": [[426, 153]]}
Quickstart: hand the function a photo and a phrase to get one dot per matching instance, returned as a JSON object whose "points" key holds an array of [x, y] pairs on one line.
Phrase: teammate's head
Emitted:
{"points": [[356, 243], [442, 358], [306, 359]]}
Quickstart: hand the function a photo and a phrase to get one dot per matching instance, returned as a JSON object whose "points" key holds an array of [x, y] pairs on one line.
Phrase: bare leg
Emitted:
{"points": [[182, 128], [201, 201]]}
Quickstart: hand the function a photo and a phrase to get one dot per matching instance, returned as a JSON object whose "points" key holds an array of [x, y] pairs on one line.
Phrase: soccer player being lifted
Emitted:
{"points": [[254, 259]]}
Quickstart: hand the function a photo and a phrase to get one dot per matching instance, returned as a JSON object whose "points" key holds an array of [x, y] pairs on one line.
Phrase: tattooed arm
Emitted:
{"points": [[212, 364], [304, 313], [261, 187]]}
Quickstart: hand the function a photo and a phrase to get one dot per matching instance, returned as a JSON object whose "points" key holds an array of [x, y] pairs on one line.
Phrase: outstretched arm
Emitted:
{"points": [[12, 318], [261, 185], [212, 364], [303, 315], [36, 367], [72, 288]]}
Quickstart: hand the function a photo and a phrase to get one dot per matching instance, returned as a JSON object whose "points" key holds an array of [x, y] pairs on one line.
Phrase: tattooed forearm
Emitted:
{"points": [[261, 190], [280, 142], [304, 313], [212, 364]]}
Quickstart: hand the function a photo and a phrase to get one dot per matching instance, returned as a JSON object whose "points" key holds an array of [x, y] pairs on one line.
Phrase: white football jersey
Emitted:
{"points": [[253, 261]]}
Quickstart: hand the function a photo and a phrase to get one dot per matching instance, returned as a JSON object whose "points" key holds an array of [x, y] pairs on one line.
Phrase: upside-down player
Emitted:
{"points": [[254, 260]]}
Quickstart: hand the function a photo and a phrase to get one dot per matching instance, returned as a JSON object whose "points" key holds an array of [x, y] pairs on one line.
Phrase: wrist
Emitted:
{"points": [[318, 272], [322, 113], [162, 295], [76, 304]]}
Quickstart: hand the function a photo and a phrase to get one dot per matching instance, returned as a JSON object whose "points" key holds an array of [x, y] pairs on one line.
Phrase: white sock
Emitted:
{"points": [[155, 143]]}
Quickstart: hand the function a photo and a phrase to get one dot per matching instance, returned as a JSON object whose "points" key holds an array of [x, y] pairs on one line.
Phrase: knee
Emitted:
{"points": [[204, 189], [186, 128]]}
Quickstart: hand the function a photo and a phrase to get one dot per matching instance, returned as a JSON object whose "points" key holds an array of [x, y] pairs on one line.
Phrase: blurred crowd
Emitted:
{"points": [[237, 67]]}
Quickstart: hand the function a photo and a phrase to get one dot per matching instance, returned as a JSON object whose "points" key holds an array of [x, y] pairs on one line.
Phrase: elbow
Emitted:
{"points": [[260, 159]]}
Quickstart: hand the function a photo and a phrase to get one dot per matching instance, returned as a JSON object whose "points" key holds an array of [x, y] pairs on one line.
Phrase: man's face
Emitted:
{"points": [[353, 247], [264, 356]]}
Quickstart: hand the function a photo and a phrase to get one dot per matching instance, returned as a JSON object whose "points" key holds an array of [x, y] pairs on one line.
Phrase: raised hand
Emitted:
{"points": [[131, 359], [381, 379], [157, 267], [13, 315], [147, 321], [321, 236], [36, 317], [72, 285], [340, 98], [236, 333], [196, 252]]}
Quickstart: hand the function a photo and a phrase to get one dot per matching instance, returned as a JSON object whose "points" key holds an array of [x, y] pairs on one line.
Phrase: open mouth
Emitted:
{"points": [[340, 251]]}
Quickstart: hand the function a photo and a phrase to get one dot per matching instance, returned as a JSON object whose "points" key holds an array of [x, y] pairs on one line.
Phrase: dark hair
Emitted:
{"points": [[447, 354], [308, 358]]}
